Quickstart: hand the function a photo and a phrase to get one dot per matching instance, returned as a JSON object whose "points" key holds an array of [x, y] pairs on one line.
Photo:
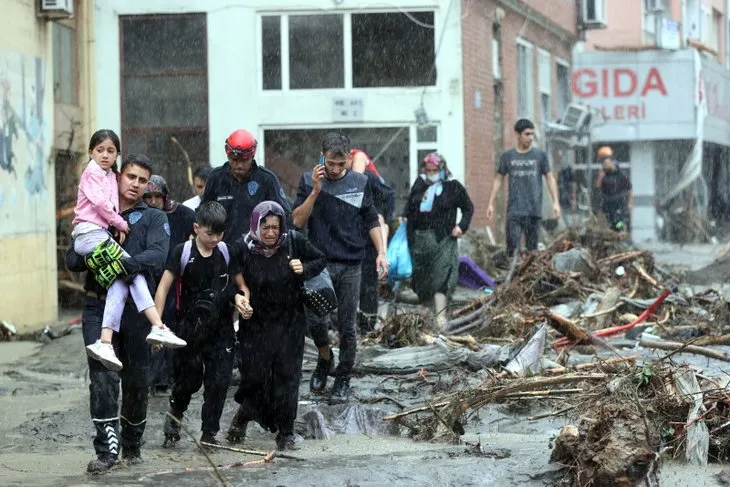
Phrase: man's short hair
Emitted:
{"points": [[140, 160], [523, 124], [211, 215], [337, 144], [203, 172]]}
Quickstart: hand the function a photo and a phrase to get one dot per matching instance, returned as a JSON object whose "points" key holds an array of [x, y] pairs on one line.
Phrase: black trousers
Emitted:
{"points": [[369, 282], [529, 226], [134, 353], [161, 361], [616, 215], [271, 367], [208, 365]]}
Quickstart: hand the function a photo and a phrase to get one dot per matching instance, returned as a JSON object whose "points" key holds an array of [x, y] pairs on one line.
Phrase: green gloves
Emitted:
{"points": [[106, 275], [105, 253]]}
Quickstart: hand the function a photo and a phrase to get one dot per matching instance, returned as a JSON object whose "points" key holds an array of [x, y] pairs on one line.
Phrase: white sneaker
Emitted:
{"points": [[104, 353], [165, 337]]}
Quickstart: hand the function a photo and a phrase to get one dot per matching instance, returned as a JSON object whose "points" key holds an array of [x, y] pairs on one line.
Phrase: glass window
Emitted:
{"points": [[165, 101], [546, 110], [316, 51], [563, 85], [65, 69], [177, 43], [271, 55], [427, 134], [393, 49]]}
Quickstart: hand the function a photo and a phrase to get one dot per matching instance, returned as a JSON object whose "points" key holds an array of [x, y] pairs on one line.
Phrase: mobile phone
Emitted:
{"points": [[321, 160]]}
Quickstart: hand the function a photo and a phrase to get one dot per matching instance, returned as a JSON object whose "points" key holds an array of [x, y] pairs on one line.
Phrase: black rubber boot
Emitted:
{"points": [[102, 464], [132, 455], [325, 368], [172, 429], [340, 390], [286, 442], [239, 424], [209, 438]]}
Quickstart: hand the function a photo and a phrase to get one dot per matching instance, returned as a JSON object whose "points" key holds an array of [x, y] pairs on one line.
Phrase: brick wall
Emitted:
{"points": [[479, 124]]}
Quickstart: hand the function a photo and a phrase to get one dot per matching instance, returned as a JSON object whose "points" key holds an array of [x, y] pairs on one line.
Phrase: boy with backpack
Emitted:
{"points": [[207, 284]]}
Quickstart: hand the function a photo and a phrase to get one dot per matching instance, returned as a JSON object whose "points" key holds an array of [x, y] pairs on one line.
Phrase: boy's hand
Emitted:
{"points": [[122, 237], [243, 307], [296, 266]]}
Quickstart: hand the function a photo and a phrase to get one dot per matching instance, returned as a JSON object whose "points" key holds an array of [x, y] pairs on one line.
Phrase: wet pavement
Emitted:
{"points": [[46, 434]]}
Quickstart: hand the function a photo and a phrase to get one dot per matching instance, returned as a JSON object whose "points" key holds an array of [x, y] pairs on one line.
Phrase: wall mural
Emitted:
{"points": [[25, 135]]}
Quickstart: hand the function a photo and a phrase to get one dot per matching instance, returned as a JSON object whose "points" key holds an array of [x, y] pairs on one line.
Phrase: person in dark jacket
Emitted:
{"points": [[206, 276], [181, 220], [274, 263], [433, 232], [384, 201], [240, 184], [147, 245], [617, 196], [336, 206]]}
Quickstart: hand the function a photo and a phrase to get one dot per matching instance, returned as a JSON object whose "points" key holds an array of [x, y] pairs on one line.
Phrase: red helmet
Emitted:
{"points": [[241, 144]]}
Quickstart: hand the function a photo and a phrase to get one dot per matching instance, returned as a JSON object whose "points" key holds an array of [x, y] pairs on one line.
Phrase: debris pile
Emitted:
{"points": [[587, 292]]}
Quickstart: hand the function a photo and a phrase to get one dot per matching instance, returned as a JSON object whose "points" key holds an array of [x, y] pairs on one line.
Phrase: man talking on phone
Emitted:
{"points": [[335, 205]]}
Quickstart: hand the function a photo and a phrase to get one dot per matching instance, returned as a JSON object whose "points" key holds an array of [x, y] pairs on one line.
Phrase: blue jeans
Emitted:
{"points": [[346, 281]]}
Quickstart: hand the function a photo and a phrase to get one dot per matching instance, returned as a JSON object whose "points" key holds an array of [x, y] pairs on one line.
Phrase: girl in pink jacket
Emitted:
{"points": [[96, 214]]}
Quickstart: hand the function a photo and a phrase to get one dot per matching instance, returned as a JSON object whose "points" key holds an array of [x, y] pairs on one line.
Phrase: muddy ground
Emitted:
{"points": [[46, 435]]}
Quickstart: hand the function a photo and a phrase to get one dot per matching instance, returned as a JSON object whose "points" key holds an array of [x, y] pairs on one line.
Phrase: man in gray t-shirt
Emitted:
{"points": [[525, 166]]}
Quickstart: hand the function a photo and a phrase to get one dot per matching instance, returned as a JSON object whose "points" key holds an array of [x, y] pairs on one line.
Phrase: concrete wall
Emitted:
{"points": [[28, 289]]}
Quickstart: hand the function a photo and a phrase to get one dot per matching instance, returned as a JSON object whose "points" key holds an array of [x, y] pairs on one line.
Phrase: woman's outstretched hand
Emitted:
{"points": [[296, 266]]}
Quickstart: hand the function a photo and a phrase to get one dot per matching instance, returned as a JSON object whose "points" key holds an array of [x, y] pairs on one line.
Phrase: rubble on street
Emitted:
{"points": [[589, 329]]}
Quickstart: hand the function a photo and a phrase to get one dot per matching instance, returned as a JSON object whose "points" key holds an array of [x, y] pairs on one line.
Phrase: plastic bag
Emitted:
{"points": [[399, 257]]}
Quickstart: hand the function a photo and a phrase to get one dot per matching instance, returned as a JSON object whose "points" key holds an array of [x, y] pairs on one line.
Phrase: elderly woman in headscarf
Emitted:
{"points": [[433, 232], [180, 220], [274, 263]]}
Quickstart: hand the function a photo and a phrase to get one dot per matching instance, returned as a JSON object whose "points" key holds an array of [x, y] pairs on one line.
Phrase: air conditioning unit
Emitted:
{"points": [[570, 132], [56, 9], [575, 116], [594, 14], [654, 6]]}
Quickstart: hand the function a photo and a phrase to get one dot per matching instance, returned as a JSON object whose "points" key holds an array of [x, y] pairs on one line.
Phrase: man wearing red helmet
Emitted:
{"points": [[241, 184]]}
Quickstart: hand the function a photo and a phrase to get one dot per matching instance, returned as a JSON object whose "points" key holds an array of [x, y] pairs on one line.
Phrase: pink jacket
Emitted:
{"points": [[98, 198]]}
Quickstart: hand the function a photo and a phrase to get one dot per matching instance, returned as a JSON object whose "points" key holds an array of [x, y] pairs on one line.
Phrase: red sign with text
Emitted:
{"points": [[620, 93]]}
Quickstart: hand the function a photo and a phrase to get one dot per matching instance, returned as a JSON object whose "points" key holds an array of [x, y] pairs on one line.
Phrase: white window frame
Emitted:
{"points": [[566, 65], [529, 109], [496, 71], [545, 82], [346, 46]]}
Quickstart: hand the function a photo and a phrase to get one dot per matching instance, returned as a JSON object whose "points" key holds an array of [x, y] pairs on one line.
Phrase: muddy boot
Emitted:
{"points": [[171, 429], [340, 390], [102, 464], [209, 439], [239, 423], [131, 455], [287, 442], [366, 323], [325, 368], [439, 304]]}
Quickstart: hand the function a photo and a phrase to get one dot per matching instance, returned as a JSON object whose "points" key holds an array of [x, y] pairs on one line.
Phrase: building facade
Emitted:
{"points": [[289, 73], [658, 76], [40, 96]]}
